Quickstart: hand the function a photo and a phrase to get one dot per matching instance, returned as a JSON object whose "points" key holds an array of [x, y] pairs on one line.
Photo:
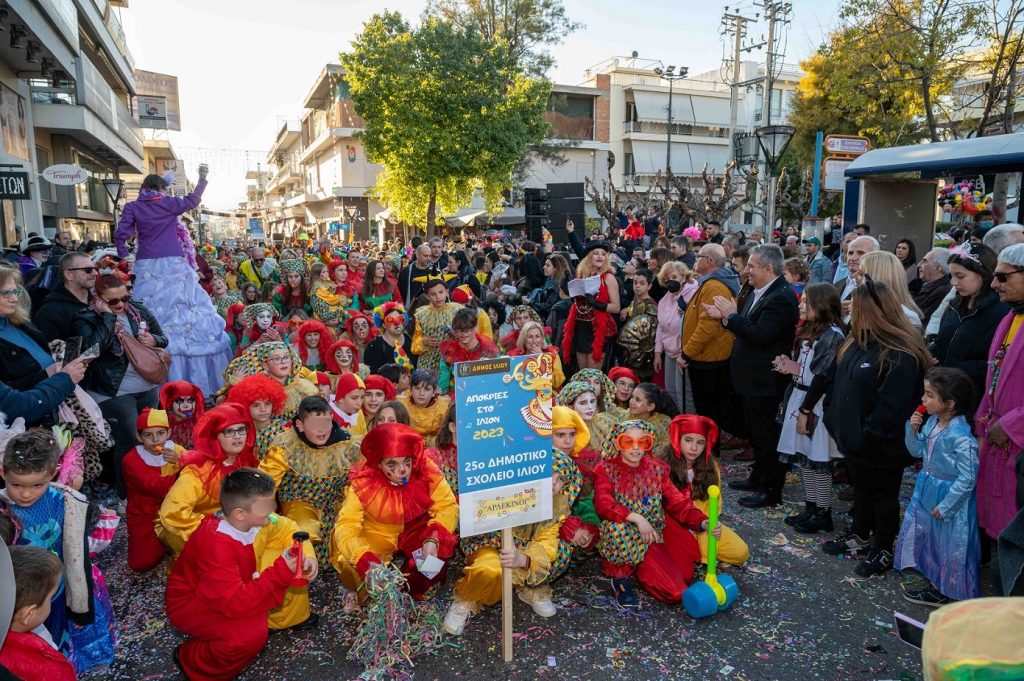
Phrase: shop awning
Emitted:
{"points": [[999, 153]]}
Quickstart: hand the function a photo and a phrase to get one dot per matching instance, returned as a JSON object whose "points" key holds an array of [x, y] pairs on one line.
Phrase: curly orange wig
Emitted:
{"points": [[323, 347], [258, 388]]}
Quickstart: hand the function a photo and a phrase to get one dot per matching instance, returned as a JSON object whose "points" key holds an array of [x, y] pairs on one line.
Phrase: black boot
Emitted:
{"points": [[797, 518], [820, 521]]}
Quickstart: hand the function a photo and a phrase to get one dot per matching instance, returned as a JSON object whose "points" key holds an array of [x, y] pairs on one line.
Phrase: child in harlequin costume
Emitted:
{"points": [[264, 398], [625, 380], [314, 342], [538, 558], [378, 391], [425, 406], [445, 452], [633, 493], [342, 356], [463, 295], [397, 502], [235, 327], [692, 438], [280, 362], [185, 405], [51, 516], [433, 325], [309, 463], [237, 567], [263, 325], [570, 435], [150, 470], [290, 296], [25, 653], [325, 299], [581, 397], [603, 388], [651, 404], [466, 345], [347, 407]]}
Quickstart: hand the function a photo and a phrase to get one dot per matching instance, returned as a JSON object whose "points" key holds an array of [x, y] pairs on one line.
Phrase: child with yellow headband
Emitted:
{"points": [[633, 495], [691, 440]]}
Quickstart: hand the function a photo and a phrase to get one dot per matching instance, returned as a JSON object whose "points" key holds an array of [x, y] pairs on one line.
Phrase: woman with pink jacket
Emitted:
{"points": [[680, 286]]}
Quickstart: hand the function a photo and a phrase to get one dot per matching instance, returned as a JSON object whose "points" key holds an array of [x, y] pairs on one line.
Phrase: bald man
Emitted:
{"points": [[421, 267], [857, 249]]}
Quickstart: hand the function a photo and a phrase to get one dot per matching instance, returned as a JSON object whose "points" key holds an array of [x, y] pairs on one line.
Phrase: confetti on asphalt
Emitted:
{"points": [[801, 615]]}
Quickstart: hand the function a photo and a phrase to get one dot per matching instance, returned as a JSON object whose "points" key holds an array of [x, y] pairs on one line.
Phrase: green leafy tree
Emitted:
{"points": [[446, 112], [525, 27]]}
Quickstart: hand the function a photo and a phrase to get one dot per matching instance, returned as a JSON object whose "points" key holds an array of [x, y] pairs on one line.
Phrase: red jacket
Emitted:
{"points": [[650, 478], [634, 232], [28, 656]]}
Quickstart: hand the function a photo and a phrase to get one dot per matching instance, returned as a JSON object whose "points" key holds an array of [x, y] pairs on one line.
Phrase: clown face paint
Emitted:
{"points": [[397, 469], [264, 320]]}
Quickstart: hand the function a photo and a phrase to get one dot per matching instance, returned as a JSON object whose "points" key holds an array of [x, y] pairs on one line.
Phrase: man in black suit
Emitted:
{"points": [[764, 329]]}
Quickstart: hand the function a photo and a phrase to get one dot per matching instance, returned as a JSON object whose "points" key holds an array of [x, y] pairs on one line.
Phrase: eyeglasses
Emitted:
{"points": [[626, 442], [1001, 277], [87, 270], [9, 293], [235, 432], [703, 256], [279, 359], [118, 301]]}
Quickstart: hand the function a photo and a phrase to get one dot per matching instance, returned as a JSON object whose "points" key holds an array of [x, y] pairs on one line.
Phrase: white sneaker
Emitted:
{"points": [[455, 620], [543, 607]]}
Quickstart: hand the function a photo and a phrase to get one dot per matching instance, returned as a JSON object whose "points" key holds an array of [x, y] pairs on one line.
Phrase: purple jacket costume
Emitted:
{"points": [[159, 215], [997, 478]]}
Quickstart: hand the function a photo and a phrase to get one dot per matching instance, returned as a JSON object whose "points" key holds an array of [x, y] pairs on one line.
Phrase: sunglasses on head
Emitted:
{"points": [[626, 442], [1002, 277], [118, 301]]}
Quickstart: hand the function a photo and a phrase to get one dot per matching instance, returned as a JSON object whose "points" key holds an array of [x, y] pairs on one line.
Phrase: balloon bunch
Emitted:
{"points": [[964, 198]]}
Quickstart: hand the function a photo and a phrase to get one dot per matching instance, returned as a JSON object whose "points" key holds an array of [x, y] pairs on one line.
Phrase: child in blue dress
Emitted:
{"points": [[59, 519], [939, 536]]}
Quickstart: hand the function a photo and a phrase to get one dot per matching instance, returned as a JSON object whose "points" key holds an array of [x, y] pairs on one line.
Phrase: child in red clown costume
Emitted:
{"points": [[185, 405], [397, 502], [359, 329], [378, 391], [347, 406], [313, 343], [633, 493], [625, 381], [150, 470], [691, 440], [235, 569], [343, 356], [265, 399]]}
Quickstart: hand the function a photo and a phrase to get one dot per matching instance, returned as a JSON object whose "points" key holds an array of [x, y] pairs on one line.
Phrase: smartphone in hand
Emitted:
{"points": [[72, 349]]}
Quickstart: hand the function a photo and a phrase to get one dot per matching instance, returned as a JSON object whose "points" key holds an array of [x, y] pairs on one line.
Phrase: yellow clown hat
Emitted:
{"points": [[565, 417]]}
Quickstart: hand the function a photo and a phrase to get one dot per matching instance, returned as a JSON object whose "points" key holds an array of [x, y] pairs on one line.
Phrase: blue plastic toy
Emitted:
{"points": [[716, 592]]}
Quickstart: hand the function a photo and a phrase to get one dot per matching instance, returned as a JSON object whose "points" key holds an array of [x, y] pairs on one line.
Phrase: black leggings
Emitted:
{"points": [[876, 506]]}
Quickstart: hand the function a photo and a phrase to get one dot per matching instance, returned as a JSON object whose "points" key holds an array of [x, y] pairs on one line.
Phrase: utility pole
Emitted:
{"points": [[735, 25], [775, 13]]}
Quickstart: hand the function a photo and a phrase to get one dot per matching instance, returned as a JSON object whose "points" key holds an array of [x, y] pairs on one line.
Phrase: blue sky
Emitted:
{"points": [[243, 65]]}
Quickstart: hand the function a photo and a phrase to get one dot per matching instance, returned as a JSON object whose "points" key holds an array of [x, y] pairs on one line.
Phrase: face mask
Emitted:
{"points": [[986, 224], [673, 286]]}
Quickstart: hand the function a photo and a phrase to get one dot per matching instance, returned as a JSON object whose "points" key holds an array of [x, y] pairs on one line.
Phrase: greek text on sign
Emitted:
{"points": [[837, 144], [65, 174], [13, 185], [503, 432], [834, 174]]}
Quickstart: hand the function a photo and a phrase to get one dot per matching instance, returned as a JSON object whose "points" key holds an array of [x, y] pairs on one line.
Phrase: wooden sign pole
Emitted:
{"points": [[506, 599]]}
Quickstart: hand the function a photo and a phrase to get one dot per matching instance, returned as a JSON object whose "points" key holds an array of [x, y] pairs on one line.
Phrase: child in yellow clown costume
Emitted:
{"points": [[538, 558], [425, 406], [397, 502], [433, 324], [688, 453], [225, 441], [310, 463], [570, 435]]}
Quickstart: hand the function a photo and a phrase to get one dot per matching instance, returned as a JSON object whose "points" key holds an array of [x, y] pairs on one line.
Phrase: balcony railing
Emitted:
{"points": [[688, 129]]}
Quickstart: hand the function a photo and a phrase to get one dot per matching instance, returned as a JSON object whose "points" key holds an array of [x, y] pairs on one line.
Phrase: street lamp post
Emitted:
{"points": [[671, 76], [114, 186], [773, 140]]}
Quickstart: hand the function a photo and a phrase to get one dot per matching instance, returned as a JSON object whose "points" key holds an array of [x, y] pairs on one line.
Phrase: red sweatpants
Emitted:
{"points": [[667, 569], [218, 648], [144, 548]]}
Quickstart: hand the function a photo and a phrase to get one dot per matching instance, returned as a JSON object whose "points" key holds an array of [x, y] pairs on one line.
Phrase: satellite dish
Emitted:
{"points": [[611, 160], [635, 54]]}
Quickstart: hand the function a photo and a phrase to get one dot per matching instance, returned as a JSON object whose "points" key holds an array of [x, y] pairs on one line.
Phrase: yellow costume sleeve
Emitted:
{"points": [[483, 325], [277, 537], [557, 375], [418, 348], [183, 508], [445, 509], [542, 551], [359, 429], [275, 463], [347, 542]]}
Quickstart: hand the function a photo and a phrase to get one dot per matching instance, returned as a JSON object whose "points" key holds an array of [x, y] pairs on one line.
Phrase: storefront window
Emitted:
{"points": [[91, 195]]}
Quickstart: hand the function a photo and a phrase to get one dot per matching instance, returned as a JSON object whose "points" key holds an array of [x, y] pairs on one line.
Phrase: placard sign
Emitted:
{"points": [[503, 432], [13, 184]]}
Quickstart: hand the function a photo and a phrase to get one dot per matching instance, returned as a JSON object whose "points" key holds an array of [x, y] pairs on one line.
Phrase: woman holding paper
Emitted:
{"points": [[590, 327]]}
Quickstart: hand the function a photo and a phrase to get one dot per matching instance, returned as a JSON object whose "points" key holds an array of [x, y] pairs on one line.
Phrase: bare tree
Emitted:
{"points": [[794, 195], [610, 200], [715, 197]]}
